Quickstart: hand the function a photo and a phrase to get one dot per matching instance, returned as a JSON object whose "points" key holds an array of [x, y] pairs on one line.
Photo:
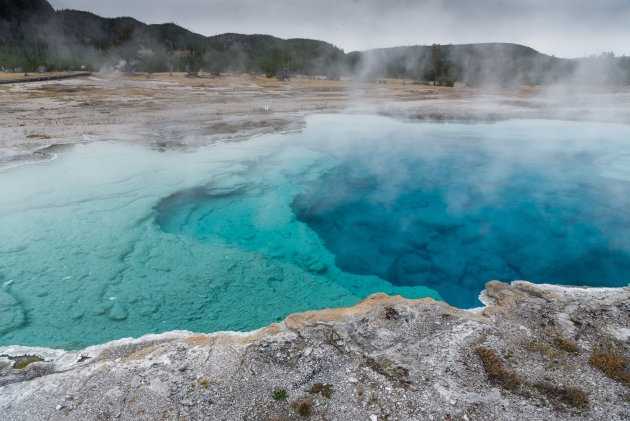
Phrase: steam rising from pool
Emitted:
{"points": [[454, 207], [113, 240]]}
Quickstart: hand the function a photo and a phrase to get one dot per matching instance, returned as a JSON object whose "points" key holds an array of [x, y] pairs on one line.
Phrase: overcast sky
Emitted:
{"points": [[566, 28]]}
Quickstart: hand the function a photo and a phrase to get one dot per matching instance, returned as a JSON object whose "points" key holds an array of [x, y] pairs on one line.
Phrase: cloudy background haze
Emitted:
{"points": [[565, 28]]}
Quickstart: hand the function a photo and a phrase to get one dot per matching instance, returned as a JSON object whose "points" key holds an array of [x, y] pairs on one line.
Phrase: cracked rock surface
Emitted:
{"points": [[534, 352]]}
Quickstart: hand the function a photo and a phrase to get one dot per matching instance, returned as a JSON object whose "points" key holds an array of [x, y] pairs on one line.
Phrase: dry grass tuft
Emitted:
{"points": [[494, 369], [326, 390], [612, 364], [304, 406], [565, 394], [566, 345]]}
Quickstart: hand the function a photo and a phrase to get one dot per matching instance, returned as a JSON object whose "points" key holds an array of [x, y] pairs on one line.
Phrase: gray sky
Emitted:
{"points": [[566, 28]]}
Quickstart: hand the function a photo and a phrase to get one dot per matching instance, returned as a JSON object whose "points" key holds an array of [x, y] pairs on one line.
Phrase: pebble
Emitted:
{"points": [[136, 381], [59, 407], [373, 417], [353, 380], [307, 351]]}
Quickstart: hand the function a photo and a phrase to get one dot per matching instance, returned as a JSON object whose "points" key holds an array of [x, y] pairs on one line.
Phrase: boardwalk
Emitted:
{"points": [[44, 78]]}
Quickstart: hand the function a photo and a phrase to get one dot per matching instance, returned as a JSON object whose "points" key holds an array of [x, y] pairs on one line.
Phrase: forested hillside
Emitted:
{"points": [[33, 36]]}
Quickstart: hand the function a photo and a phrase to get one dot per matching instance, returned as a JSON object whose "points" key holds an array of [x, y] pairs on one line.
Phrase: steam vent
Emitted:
{"points": [[246, 227]]}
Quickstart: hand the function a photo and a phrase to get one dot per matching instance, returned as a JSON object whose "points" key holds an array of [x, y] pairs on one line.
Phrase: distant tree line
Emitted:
{"points": [[37, 37], [134, 50]]}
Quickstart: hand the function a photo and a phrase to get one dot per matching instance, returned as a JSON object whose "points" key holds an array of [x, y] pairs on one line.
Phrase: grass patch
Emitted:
{"points": [[566, 345], [563, 395], [304, 406], [279, 394], [540, 346], [612, 364], [494, 369], [326, 390]]}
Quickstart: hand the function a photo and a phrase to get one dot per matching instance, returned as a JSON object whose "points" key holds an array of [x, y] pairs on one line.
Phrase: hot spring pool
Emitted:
{"points": [[113, 240]]}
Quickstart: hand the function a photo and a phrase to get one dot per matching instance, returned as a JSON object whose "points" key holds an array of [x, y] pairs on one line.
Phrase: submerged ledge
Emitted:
{"points": [[533, 352]]}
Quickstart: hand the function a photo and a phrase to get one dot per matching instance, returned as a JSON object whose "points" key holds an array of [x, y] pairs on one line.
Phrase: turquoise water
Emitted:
{"points": [[113, 240]]}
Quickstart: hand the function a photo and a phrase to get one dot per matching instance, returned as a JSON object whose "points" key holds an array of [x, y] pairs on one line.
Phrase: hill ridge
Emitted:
{"points": [[35, 36]]}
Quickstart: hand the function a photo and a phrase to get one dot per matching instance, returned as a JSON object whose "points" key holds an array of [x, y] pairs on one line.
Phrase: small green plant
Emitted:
{"points": [[279, 394], [205, 383], [566, 345], [495, 371], [373, 398]]}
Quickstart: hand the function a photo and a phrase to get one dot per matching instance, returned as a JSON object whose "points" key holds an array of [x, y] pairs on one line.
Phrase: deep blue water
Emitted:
{"points": [[444, 206], [454, 212]]}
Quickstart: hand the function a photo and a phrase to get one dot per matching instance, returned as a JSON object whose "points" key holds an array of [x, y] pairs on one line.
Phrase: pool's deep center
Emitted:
{"points": [[450, 213]]}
